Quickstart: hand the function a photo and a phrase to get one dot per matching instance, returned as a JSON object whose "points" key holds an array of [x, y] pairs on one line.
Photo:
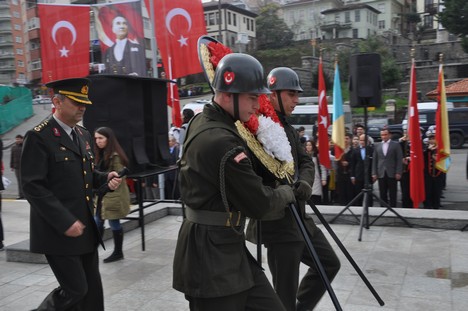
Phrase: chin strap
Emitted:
{"points": [[280, 102], [236, 106]]}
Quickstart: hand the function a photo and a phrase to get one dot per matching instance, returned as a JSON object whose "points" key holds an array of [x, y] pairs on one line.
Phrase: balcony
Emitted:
{"points": [[34, 34], [431, 8], [7, 67], [329, 25], [7, 56]]}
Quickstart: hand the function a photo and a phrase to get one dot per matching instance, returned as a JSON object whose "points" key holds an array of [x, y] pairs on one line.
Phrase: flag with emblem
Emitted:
{"points": [[442, 126], [323, 120], [179, 24], [64, 41], [416, 164]]}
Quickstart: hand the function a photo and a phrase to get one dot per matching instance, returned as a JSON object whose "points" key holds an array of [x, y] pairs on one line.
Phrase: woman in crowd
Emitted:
{"points": [[320, 179], [115, 205]]}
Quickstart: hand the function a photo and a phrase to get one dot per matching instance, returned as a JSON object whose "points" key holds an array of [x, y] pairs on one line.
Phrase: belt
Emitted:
{"points": [[211, 218]]}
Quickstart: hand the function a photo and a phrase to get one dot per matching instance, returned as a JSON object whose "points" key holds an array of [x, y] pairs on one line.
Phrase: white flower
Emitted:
{"points": [[273, 138]]}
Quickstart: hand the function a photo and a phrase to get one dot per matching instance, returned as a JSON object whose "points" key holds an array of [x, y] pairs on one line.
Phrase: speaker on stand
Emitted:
{"points": [[365, 90]]}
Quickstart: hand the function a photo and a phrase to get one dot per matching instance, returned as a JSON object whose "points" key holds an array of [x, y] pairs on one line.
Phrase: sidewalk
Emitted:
{"points": [[411, 269]]}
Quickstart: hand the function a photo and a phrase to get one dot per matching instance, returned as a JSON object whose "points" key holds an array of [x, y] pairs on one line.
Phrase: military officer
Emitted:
{"points": [[433, 177], [57, 177], [282, 238], [212, 265]]}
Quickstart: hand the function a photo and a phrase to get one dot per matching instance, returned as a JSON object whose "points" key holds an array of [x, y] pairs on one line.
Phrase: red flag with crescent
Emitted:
{"points": [[179, 24], [323, 120], [64, 41]]}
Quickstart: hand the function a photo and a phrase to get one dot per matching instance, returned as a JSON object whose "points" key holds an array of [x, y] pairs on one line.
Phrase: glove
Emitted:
{"points": [[302, 190], [283, 195]]}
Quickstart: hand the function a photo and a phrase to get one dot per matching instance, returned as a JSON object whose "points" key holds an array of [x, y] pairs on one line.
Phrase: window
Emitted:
{"points": [[147, 23], [211, 19], [234, 19], [357, 16], [18, 39], [36, 65], [229, 18], [381, 7], [337, 17], [252, 25], [17, 27], [347, 17], [14, 2], [34, 45], [429, 21], [16, 14], [355, 33], [19, 51], [20, 63], [248, 24], [381, 24], [33, 23]]}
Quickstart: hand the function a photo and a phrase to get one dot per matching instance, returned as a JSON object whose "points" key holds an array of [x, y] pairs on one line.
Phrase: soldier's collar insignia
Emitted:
{"points": [[56, 132]]}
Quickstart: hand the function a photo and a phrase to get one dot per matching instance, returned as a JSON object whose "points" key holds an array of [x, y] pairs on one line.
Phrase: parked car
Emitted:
{"points": [[374, 126], [41, 99], [458, 125]]}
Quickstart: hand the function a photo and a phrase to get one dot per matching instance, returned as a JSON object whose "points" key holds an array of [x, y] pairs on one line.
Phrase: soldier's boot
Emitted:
{"points": [[117, 254]]}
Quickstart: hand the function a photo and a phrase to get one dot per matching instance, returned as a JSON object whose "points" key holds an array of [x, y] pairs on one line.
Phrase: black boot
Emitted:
{"points": [[117, 254]]}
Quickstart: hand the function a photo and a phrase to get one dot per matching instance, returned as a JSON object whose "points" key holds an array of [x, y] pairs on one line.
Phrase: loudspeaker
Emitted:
{"points": [[135, 109], [365, 80]]}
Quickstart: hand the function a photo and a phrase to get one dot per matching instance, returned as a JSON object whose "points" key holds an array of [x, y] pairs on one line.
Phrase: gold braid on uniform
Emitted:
{"points": [[281, 169]]}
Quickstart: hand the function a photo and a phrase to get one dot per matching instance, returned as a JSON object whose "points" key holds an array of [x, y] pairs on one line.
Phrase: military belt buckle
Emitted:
{"points": [[229, 220]]}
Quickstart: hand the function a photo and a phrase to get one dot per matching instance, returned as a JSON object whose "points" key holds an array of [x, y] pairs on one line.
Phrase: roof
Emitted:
{"points": [[459, 88], [213, 6], [351, 7]]}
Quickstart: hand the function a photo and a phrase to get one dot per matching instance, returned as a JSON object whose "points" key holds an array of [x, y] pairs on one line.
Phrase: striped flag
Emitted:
{"points": [[442, 126], [338, 132], [323, 120], [416, 164]]}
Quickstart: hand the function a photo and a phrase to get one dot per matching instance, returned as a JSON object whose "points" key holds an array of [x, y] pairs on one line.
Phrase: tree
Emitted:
{"points": [[272, 32], [455, 19]]}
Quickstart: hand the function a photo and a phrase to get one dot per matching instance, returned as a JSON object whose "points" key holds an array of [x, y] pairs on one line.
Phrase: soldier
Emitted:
{"points": [[212, 266], [57, 177], [282, 238], [433, 177], [405, 176]]}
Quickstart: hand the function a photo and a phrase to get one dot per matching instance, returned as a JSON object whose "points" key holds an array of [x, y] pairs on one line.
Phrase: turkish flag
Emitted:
{"points": [[416, 165], [174, 102], [179, 24], [64, 41], [323, 120]]}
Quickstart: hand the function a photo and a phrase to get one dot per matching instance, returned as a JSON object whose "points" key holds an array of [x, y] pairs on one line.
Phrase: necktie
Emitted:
{"points": [[75, 138]]}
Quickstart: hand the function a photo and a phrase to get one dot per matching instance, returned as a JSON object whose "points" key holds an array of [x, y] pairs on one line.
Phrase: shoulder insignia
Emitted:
{"points": [[241, 156], [41, 126]]}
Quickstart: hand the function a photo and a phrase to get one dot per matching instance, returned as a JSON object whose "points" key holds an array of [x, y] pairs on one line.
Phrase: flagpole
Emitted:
{"points": [[154, 44]]}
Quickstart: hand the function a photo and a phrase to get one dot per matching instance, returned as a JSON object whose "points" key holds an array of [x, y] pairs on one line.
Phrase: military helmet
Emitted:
{"points": [[240, 73], [283, 78]]}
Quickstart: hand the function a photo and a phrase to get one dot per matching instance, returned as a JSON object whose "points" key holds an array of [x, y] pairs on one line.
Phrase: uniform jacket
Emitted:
{"points": [[212, 261], [133, 60], [57, 179], [285, 228], [116, 204], [392, 163]]}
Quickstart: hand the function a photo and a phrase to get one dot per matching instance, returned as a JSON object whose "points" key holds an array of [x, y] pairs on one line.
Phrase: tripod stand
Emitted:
{"points": [[366, 192]]}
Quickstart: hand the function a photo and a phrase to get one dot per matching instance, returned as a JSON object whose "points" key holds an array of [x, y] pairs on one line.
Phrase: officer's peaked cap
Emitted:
{"points": [[75, 88]]}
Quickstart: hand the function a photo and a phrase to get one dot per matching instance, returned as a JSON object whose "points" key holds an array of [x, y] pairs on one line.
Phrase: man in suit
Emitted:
{"points": [[387, 167], [124, 57], [358, 168], [171, 186], [58, 177]]}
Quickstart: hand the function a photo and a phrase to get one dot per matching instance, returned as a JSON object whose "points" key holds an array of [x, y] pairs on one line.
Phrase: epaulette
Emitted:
{"points": [[41, 126], [81, 126]]}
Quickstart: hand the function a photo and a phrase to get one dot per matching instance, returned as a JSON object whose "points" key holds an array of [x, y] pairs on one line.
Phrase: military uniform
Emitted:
{"points": [[57, 179], [211, 260], [285, 244], [405, 176], [433, 179]]}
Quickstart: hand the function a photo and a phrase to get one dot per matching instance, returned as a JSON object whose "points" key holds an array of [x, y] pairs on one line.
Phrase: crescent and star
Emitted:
{"points": [[173, 13], [67, 25]]}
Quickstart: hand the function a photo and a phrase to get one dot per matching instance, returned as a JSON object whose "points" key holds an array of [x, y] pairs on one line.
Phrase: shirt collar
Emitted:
{"points": [[65, 127]]}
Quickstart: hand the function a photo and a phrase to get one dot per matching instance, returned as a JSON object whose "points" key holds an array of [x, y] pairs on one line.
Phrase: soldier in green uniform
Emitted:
{"points": [[285, 245], [58, 177], [212, 265]]}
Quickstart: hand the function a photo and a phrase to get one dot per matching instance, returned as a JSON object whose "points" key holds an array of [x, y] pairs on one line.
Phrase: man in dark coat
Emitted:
{"points": [[358, 177], [57, 177], [124, 57], [212, 265], [282, 238], [15, 162]]}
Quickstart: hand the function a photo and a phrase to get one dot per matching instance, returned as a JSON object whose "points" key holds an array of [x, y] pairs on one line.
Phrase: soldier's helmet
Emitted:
{"points": [[240, 73], [283, 78]]}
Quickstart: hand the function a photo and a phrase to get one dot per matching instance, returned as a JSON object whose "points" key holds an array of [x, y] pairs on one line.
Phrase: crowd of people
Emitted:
{"points": [[386, 163]]}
